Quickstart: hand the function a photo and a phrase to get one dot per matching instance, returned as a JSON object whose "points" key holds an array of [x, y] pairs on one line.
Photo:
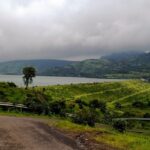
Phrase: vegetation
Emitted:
{"points": [[41, 65], [29, 73], [120, 125], [92, 104], [120, 65]]}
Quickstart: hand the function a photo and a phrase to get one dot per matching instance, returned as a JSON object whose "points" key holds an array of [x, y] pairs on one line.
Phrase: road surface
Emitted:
{"points": [[30, 134]]}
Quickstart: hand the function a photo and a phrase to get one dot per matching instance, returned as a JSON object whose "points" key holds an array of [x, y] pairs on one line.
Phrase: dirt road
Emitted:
{"points": [[30, 134]]}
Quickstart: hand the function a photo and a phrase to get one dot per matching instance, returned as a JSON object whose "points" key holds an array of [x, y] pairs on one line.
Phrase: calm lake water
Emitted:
{"points": [[44, 80]]}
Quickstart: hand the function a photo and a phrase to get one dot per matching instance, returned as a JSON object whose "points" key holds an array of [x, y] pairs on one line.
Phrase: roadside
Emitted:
{"points": [[23, 133], [43, 130], [28, 133]]}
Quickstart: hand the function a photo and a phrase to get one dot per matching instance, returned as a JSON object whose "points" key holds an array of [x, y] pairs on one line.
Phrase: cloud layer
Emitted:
{"points": [[72, 29]]}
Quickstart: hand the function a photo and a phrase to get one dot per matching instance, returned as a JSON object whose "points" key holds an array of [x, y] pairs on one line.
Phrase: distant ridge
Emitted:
{"points": [[117, 65], [41, 65]]}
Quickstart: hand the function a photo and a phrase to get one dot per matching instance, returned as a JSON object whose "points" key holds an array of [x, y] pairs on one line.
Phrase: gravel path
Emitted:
{"points": [[30, 134]]}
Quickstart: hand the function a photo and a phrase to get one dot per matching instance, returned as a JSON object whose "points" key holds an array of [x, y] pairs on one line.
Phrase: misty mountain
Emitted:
{"points": [[122, 56], [41, 65], [119, 65]]}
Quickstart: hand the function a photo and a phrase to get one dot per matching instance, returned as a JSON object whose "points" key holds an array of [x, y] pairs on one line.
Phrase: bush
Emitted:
{"points": [[94, 103], [58, 107], [102, 106], [120, 125], [11, 84], [138, 104], [37, 103], [2, 94], [108, 117], [131, 124], [80, 103], [128, 114], [85, 116], [146, 115], [118, 105], [98, 104]]}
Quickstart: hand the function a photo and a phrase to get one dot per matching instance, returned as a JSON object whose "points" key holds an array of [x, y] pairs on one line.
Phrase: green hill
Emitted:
{"points": [[125, 93], [123, 65], [120, 65], [41, 65]]}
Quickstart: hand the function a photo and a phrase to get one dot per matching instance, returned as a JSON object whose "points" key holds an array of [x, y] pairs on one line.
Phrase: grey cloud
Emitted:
{"points": [[75, 29]]}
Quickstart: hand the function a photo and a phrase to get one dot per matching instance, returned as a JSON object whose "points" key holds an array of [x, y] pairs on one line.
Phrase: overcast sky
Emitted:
{"points": [[72, 29]]}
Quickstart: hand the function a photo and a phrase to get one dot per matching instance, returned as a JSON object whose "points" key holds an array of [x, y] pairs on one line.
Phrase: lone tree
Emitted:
{"points": [[29, 73]]}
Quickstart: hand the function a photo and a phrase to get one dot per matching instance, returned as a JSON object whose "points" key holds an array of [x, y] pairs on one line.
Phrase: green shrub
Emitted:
{"points": [[11, 84], [58, 107], [94, 103], [131, 124], [128, 114], [120, 125], [98, 104], [37, 103], [108, 117], [85, 116], [80, 103], [118, 105], [138, 104], [146, 115]]}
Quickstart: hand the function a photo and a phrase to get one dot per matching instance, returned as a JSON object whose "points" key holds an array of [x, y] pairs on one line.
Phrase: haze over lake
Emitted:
{"points": [[45, 80]]}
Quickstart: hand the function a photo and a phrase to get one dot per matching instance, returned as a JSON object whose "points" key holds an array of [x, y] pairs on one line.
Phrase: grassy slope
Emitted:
{"points": [[124, 92]]}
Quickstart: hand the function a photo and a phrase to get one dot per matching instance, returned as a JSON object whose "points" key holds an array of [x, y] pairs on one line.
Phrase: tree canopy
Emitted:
{"points": [[29, 73]]}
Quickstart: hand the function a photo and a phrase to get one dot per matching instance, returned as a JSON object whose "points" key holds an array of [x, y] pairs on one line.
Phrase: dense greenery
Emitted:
{"points": [[119, 65], [122, 65], [114, 99], [90, 104]]}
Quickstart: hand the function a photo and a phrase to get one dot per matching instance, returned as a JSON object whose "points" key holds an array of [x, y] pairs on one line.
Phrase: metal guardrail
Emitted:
{"points": [[7, 104], [140, 119]]}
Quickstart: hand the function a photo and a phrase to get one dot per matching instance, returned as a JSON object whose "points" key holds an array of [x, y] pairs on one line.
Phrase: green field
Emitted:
{"points": [[127, 94]]}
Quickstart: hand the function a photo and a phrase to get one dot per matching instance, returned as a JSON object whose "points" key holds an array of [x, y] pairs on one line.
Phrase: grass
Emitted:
{"points": [[105, 134], [101, 133], [125, 92], [127, 141]]}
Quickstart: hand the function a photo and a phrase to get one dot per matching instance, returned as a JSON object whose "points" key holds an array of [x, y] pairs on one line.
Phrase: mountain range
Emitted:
{"points": [[41, 65], [117, 65]]}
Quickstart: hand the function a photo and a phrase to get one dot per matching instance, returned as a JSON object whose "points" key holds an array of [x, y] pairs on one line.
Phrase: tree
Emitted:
{"points": [[29, 73]]}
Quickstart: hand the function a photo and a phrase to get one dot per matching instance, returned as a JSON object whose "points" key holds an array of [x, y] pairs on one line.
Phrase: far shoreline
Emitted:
{"points": [[55, 80]]}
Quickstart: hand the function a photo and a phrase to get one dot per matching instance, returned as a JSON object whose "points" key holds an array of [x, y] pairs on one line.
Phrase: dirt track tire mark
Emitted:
{"points": [[31, 134]]}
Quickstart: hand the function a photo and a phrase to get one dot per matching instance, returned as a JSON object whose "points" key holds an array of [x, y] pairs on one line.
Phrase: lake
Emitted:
{"points": [[45, 80]]}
